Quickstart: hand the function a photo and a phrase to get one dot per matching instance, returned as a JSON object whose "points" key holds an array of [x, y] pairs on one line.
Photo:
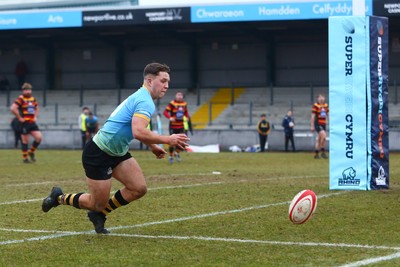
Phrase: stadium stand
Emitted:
{"points": [[64, 106]]}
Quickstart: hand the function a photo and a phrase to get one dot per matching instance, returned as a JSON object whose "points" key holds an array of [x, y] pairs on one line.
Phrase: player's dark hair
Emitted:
{"points": [[26, 86], [155, 68]]}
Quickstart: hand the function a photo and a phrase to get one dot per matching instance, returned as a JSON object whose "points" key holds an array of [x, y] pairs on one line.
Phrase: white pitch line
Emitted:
{"points": [[236, 240], [173, 187], [214, 213], [21, 201], [183, 186], [372, 260], [80, 181], [150, 189], [8, 242], [172, 175], [29, 184], [158, 222], [32, 231]]}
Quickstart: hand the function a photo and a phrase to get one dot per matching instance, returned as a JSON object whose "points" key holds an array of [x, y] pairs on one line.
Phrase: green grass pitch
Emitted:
{"points": [[193, 216]]}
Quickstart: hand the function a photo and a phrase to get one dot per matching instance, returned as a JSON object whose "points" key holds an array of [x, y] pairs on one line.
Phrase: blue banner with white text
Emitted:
{"points": [[274, 10], [378, 149], [37, 20], [347, 101]]}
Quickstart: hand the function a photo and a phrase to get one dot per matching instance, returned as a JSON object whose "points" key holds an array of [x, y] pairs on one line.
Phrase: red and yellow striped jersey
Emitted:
{"points": [[321, 112], [27, 107], [176, 110]]}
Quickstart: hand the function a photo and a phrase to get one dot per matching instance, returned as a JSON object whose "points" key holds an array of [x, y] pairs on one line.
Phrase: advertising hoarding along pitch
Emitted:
{"points": [[36, 20], [291, 10], [387, 8], [276, 10], [136, 16]]}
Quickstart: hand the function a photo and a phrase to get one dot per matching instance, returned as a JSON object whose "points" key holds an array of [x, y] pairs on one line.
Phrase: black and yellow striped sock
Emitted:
{"points": [[24, 148], [115, 202], [70, 200], [34, 147]]}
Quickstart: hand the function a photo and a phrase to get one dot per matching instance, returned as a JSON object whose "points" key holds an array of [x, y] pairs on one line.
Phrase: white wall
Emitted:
{"points": [[225, 138]]}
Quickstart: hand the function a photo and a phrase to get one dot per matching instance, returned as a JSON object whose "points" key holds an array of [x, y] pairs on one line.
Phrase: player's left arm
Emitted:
{"points": [[36, 111], [187, 113], [327, 117]]}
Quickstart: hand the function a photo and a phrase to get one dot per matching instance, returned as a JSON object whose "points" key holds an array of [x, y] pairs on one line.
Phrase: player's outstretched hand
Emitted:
{"points": [[179, 140], [158, 151]]}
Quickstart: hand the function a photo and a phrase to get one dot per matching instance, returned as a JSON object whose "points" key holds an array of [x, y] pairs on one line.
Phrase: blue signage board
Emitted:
{"points": [[348, 96], [37, 20], [358, 95], [378, 99], [294, 10]]}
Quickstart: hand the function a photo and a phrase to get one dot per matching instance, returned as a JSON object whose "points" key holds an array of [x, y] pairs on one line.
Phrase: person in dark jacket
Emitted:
{"points": [[263, 129], [288, 125], [16, 127]]}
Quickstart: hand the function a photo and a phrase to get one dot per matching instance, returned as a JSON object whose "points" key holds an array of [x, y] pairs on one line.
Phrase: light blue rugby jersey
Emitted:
{"points": [[116, 134]]}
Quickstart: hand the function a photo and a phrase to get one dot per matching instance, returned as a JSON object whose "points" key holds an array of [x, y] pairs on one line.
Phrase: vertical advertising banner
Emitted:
{"points": [[347, 100], [378, 113]]}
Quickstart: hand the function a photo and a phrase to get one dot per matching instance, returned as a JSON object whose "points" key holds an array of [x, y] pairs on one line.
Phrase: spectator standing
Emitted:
{"points": [[16, 127], [92, 125], [288, 126], [82, 124], [263, 128], [187, 126]]}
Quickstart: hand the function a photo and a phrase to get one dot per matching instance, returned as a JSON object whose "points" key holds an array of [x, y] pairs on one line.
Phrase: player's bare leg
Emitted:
{"points": [[129, 173], [322, 140], [37, 135], [131, 176], [24, 147]]}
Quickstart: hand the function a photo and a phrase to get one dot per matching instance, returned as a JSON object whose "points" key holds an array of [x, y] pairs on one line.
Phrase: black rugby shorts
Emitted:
{"points": [[98, 165], [319, 127], [28, 127]]}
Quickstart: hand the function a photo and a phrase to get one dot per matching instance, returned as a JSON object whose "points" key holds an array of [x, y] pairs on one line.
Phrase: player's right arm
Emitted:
{"points": [[312, 121], [15, 110], [167, 112], [144, 135]]}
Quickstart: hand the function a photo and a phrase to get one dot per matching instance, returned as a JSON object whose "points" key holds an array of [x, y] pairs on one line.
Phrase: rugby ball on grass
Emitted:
{"points": [[302, 206]]}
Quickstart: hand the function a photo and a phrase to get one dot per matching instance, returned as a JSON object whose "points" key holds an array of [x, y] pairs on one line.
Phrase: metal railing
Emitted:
{"points": [[272, 100]]}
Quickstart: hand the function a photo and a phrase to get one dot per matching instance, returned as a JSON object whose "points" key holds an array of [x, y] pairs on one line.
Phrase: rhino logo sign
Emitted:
{"points": [[381, 179], [349, 177]]}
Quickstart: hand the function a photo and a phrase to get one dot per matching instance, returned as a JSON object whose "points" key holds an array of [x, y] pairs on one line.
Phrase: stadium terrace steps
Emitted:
{"points": [[217, 104], [63, 107]]}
